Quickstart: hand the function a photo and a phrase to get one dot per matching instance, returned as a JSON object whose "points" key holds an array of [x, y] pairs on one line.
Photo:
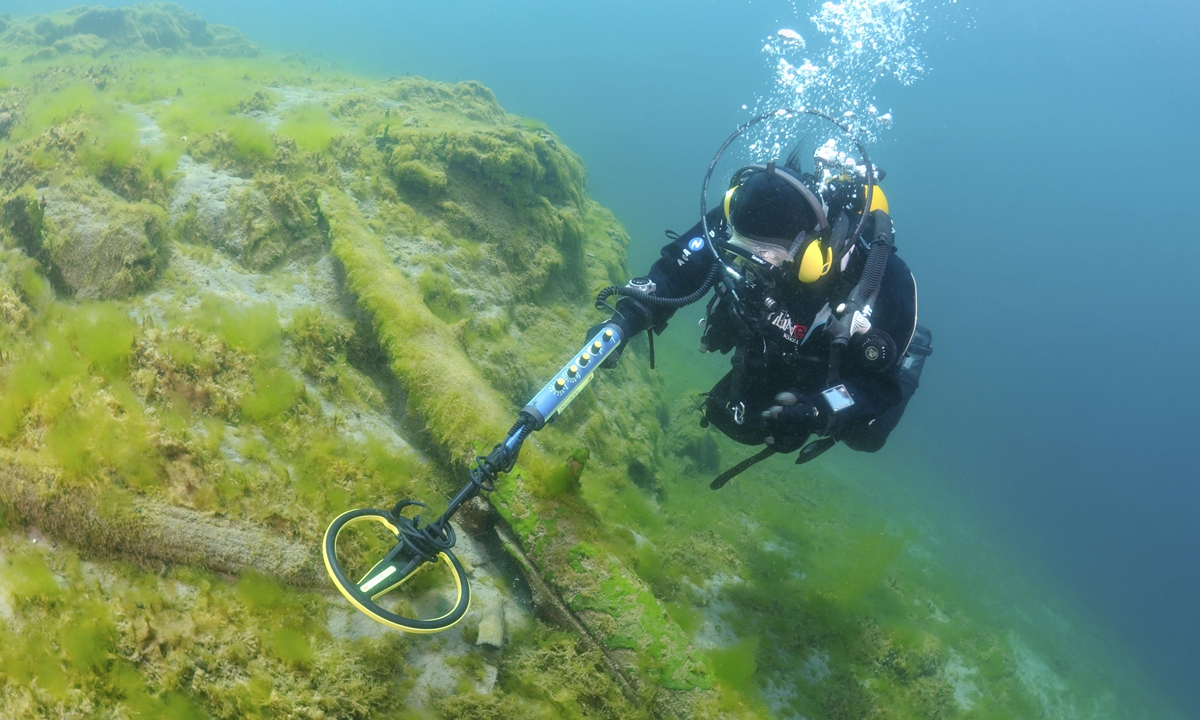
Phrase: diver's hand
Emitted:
{"points": [[632, 317], [792, 419]]}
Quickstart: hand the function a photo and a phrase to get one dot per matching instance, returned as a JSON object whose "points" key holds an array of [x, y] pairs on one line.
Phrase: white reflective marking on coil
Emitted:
{"points": [[370, 584]]}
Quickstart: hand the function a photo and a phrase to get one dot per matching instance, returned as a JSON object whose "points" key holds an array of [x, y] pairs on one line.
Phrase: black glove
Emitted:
{"points": [[791, 420], [632, 317]]}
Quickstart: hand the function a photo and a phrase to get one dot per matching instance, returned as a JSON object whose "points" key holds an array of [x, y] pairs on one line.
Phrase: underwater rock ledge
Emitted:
{"points": [[305, 282], [240, 294], [153, 27]]}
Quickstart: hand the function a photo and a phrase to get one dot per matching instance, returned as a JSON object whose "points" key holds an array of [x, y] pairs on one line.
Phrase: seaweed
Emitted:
{"points": [[192, 386], [97, 245], [310, 126]]}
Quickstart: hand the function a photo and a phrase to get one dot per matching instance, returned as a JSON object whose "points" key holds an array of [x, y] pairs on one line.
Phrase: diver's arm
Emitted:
{"points": [[685, 264], [682, 269], [874, 393]]}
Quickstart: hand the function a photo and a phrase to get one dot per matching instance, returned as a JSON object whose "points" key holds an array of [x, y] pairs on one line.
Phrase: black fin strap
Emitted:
{"points": [[814, 449], [731, 473]]}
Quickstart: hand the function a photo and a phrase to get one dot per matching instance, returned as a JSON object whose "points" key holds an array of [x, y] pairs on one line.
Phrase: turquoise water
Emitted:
{"points": [[1040, 171]]}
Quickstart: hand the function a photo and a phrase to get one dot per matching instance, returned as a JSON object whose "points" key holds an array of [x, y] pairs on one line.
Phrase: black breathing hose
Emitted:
{"points": [[872, 274], [864, 293], [654, 300]]}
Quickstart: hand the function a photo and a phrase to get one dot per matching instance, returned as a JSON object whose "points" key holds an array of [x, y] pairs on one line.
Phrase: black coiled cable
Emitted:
{"points": [[426, 542], [483, 476], [654, 300], [438, 536], [423, 542]]}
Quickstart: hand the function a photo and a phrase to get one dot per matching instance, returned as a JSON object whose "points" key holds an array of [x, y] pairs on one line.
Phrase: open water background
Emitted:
{"points": [[1043, 175]]}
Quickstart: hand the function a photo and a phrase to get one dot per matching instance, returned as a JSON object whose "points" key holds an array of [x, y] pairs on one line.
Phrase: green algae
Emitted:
{"points": [[103, 335], [549, 667], [310, 126], [324, 344], [566, 477], [184, 645], [644, 626], [440, 297], [468, 253]]}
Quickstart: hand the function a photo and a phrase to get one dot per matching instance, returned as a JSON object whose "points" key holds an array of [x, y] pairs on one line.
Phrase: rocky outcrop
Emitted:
{"points": [[159, 27], [238, 298], [297, 275], [97, 245]]}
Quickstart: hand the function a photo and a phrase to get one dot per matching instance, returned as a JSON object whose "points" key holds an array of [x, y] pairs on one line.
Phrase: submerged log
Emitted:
{"points": [[112, 521]]}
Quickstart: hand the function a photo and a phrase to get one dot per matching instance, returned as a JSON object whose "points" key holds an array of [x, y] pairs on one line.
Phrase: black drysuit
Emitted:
{"points": [[788, 348]]}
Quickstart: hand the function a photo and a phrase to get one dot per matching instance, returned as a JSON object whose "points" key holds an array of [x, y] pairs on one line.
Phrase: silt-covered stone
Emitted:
{"points": [[97, 245]]}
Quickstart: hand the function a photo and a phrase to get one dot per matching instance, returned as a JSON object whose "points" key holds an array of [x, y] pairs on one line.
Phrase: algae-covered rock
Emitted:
{"points": [[200, 207], [23, 219], [82, 43], [9, 115], [185, 364], [239, 297], [164, 27], [41, 55], [269, 219], [98, 245], [258, 221]]}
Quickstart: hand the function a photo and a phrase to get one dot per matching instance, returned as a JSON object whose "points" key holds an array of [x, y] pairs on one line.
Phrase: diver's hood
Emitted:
{"points": [[774, 216], [769, 205]]}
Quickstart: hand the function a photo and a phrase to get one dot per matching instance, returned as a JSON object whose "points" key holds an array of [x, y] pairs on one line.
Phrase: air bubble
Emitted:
{"points": [[859, 43]]}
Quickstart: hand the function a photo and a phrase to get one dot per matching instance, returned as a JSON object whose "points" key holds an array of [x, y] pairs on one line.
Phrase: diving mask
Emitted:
{"points": [[773, 253], [775, 217], [811, 256]]}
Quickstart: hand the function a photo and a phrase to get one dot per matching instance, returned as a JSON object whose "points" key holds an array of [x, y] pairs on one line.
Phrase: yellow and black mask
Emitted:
{"points": [[776, 218]]}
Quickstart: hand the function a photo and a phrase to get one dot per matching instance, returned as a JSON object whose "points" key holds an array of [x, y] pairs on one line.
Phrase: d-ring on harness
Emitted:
{"points": [[417, 545]]}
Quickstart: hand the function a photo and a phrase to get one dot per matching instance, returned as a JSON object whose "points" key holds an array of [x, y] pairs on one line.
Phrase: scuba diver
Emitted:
{"points": [[809, 296], [816, 307]]}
